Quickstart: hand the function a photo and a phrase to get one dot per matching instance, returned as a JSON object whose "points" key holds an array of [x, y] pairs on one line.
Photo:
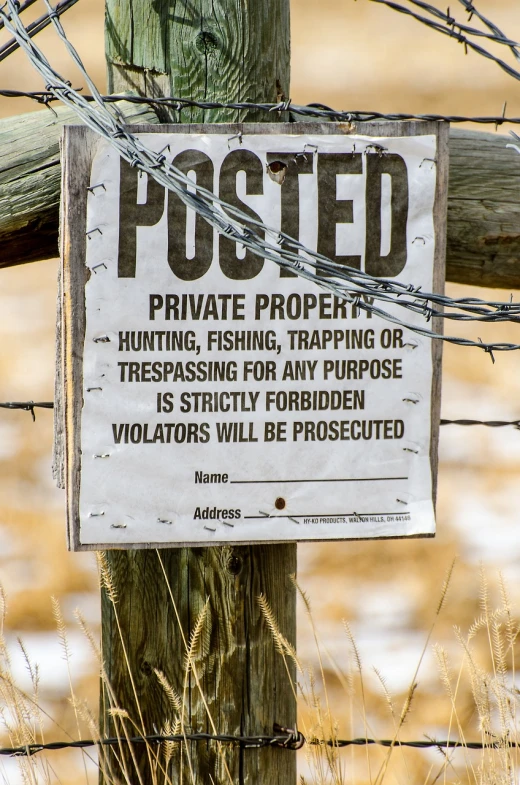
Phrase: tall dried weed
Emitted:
{"points": [[478, 682]]}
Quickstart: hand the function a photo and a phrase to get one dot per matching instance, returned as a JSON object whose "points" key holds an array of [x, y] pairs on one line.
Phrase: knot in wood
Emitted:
{"points": [[234, 564], [206, 42]]}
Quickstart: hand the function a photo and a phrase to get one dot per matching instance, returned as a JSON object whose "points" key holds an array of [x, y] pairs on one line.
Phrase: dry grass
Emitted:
{"points": [[480, 703], [351, 55], [476, 700]]}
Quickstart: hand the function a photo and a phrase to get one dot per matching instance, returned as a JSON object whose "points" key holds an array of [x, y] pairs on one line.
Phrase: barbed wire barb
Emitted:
{"points": [[473, 11], [454, 29], [496, 36], [313, 110], [27, 406]]}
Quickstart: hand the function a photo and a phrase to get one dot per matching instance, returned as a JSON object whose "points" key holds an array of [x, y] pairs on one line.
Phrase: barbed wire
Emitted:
{"points": [[355, 286], [111, 127], [486, 423], [496, 36], [35, 27], [450, 27], [312, 110], [473, 11], [29, 406], [447, 25], [21, 8], [285, 738]]}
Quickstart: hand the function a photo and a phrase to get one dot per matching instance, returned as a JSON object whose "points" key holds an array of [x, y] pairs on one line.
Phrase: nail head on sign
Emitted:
{"points": [[280, 503]]}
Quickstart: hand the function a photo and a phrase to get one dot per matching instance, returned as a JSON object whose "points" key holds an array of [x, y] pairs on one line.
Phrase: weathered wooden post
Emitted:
{"points": [[152, 600], [230, 50]]}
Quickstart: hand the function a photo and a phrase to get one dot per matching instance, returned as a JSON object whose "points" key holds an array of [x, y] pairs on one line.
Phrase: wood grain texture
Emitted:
{"points": [[211, 50], [30, 175], [483, 241], [241, 675], [79, 144], [224, 50], [439, 275], [483, 210], [58, 447]]}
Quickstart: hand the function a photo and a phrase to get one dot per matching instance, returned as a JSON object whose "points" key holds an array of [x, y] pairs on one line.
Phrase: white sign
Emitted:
{"points": [[226, 400]]}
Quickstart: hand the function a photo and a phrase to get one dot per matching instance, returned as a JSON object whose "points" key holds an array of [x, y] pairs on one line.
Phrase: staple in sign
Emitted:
{"points": [[218, 364]]}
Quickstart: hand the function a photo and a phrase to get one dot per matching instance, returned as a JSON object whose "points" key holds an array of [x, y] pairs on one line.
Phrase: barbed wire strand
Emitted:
{"points": [[23, 7], [496, 36], [286, 739], [487, 423], [27, 406], [313, 110], [473, 11], [132, 152], [30, 406], [448, 25], [35, 27], [450, 31], [354, 286], [137, 154]]}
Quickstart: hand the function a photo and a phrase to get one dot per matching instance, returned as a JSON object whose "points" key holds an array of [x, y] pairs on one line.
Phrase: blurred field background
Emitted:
{"points": [[349, 55]]}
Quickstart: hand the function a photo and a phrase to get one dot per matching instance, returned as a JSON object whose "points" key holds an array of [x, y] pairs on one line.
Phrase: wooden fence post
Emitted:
{"points": [[224, 50]]}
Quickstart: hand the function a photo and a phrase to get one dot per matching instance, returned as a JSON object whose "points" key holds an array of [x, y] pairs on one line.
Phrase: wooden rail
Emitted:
{"points": [[483, 197], [30, 178]]}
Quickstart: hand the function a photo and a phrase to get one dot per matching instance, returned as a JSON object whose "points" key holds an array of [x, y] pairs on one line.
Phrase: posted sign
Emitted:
{"points": [[212, 396]]}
